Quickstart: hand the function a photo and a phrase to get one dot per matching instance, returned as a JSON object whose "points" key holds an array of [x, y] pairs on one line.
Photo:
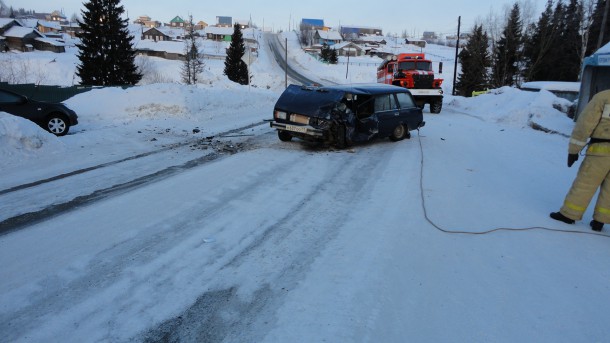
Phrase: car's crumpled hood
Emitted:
{"points": [[311, 102]]}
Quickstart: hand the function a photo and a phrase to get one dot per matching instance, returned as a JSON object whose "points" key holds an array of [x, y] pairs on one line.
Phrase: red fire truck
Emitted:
{"points": [[414, 71]]}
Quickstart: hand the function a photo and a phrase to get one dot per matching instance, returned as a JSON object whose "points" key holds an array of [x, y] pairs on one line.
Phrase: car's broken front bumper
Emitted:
{"points": [[297, 130]]}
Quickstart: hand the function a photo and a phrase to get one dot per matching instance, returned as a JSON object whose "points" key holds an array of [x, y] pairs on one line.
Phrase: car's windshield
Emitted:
{"points": [[309, 102], [413, 65]]}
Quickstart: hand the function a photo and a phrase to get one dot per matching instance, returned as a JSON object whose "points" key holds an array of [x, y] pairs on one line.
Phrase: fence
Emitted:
{"points": [[45, 93]]}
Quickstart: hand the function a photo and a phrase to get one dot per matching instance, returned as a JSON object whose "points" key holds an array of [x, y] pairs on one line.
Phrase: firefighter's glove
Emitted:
{"points": [[571, 159]]}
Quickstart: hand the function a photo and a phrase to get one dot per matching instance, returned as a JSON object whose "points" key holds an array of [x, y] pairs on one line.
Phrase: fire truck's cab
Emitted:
{"points": [[413, 71]]}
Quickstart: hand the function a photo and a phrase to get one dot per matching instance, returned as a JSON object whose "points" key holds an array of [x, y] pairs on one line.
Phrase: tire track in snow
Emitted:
{"points": [[292, 244]]}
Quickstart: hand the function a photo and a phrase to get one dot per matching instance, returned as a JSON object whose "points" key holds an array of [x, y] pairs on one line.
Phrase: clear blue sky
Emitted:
{"points": [[412, 16]]}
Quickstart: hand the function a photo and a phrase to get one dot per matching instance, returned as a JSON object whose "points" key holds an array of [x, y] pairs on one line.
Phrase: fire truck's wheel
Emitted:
{"points": [[399, 133], [284, 136], [435, 107]]}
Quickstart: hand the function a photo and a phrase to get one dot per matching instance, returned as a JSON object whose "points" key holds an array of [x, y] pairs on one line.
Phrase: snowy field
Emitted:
{"points": [[281, 242]]}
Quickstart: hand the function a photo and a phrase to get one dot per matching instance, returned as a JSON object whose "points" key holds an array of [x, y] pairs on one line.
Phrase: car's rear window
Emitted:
{"points": [[405, 100]]}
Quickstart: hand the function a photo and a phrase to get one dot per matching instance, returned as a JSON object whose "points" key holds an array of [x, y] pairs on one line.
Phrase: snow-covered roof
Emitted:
{"points": [[6, 21], [33, 23], [168, 46], [227, 31], [552, 86], [50, 24], [345, 44], [171, 31], [372, 38], [331, 35], [21, 32], [51, 41], [604, 49]]}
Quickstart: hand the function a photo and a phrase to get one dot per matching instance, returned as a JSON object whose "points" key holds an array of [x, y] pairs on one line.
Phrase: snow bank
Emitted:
{"points": [[514, 107], [20, 137]]}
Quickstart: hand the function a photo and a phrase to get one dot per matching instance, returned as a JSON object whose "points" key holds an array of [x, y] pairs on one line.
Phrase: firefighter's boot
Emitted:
{"points": [[561, 218], [596, 226]]}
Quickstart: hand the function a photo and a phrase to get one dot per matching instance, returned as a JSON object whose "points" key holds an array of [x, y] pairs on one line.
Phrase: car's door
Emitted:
{"points": [[12, 103], [409, 112], [367, 125], [387, 112]]}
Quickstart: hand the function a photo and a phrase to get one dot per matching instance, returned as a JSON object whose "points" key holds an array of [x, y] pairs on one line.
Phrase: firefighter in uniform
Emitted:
{"points": [[593, 124]]}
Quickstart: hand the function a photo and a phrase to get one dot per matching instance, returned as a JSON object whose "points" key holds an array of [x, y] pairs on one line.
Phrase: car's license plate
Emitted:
{"points": [[293, 128]]}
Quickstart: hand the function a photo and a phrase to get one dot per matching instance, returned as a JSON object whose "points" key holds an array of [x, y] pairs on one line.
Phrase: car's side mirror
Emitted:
{"points": [[23, 100]]}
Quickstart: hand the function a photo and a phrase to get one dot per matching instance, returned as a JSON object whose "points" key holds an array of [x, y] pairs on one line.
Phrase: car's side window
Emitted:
{"points": [[385, 102], [405, 100], [8, 98]]}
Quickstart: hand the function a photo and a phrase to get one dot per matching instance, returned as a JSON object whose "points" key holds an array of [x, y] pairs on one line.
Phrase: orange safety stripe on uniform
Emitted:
{"points": [[575, 207], [602, 210], [597, 148]]}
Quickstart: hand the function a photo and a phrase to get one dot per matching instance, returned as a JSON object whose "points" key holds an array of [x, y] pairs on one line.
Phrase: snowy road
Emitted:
{"points": [[267, 215], [284, 242]]}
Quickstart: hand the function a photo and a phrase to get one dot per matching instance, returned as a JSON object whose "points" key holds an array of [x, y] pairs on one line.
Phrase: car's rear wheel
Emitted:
{"points": [[399, 133], [57, 124], [284, 136]]}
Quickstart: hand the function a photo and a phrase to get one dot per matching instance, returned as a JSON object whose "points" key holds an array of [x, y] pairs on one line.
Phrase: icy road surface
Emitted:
{"points": [[283, 242]]}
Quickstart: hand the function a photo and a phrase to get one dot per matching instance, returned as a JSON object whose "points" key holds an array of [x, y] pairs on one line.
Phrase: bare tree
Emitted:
{"points": [[193, 59], [528, 12]]}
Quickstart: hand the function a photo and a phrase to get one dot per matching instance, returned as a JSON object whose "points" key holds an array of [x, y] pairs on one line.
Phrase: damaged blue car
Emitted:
{"points": [[345, 114]]}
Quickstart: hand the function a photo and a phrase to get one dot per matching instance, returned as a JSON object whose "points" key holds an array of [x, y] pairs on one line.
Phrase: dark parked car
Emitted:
{"points": [[53, 117], [344, 114]]}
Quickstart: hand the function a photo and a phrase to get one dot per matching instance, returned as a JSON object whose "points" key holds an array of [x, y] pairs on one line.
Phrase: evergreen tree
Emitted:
{"points": [[236, 69], [508, 51], [597, 29], [333, 58], [538, 45], [193, 61], [325, 53], [475, 60], [106, 53], [571, 40]]}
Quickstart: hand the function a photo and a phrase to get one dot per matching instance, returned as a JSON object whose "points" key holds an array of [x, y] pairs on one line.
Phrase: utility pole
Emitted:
{"points": [[457, 47], [347, 71], [286, 66], [604, 23]]}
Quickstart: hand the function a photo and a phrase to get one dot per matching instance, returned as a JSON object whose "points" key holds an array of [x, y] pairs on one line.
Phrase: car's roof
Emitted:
{"points": [[367, 88]]}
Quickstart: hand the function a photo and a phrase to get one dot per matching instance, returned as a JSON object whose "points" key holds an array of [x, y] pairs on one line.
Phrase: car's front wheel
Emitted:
{"points": [[399, 133], [57, 124], [284, 136]]}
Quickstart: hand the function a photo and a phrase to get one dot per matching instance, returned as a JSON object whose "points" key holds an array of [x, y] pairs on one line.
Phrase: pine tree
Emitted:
{"points": [[106, 53], [193, 62], [236, 69], [508, 51], [596, 27], [538, 45], [475, 60], [332, 57], [325, 53], [571, 38]]}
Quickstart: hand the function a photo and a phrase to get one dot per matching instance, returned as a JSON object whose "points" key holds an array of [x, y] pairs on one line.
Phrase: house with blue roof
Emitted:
{"points": [[312, 24]]}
